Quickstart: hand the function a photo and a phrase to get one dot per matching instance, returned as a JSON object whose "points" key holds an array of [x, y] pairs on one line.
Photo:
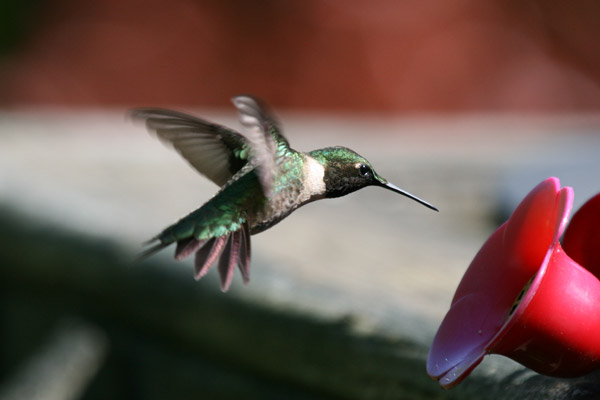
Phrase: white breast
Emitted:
{"points": [[314, 185]]}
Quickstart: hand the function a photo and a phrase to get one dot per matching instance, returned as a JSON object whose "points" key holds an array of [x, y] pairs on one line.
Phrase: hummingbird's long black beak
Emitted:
{"points": [[396, 189]]}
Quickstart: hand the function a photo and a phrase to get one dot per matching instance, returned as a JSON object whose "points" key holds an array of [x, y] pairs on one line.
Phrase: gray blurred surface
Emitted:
{"points": [[384, 263]]}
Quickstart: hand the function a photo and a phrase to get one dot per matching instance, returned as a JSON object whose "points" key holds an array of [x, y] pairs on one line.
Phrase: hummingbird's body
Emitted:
{"points": [[241, 199], [262, 181]]}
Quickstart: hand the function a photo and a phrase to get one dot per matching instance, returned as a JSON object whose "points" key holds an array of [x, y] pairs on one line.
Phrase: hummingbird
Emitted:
{"points": [[261, 178]]}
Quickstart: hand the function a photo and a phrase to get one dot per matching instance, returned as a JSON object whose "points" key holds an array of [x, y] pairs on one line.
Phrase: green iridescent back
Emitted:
{"points": [[241, 199]]}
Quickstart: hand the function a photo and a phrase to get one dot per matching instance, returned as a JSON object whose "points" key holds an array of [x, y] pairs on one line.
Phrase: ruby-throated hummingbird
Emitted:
{"points": [[262, 181]]}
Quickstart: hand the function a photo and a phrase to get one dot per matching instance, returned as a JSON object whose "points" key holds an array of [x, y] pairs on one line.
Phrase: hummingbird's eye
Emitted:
{"points": [[364, 170]]}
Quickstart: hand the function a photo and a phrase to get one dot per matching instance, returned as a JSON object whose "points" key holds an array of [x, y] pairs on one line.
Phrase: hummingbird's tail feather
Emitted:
{"points": [[187, 247], [150, 251], [231, 249], [207, 255], [244, 258], [229, 259]]}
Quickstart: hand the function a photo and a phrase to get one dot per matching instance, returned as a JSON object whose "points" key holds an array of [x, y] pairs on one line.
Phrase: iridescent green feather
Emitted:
{"points": [[242, 195], [223, 214], [338, 155]]}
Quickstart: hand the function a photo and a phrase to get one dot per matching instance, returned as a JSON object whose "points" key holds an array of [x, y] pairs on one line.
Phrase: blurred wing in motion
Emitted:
{"points": [[263, 137], [215, 151]]}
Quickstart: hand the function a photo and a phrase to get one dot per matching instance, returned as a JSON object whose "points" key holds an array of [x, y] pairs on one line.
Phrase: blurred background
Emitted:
{"points": [[321, 55], [467, 104]]}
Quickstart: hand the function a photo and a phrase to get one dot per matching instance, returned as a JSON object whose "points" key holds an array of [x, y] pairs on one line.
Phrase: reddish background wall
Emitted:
{"points": [[413, 55]]}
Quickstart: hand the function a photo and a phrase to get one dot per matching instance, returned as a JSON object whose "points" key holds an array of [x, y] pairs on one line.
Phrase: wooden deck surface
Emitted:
{"points": [[345, 294]]}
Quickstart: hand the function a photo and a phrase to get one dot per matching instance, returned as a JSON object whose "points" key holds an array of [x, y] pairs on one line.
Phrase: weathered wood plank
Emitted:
{"points": [[345, 313], [162, 326]]}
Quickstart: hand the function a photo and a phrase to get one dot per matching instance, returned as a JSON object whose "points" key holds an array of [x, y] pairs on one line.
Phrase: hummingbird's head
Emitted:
{"points": [[347, 171]]}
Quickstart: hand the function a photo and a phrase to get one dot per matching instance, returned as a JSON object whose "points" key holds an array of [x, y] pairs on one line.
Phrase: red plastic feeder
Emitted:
{"points": [[526, 297]]}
